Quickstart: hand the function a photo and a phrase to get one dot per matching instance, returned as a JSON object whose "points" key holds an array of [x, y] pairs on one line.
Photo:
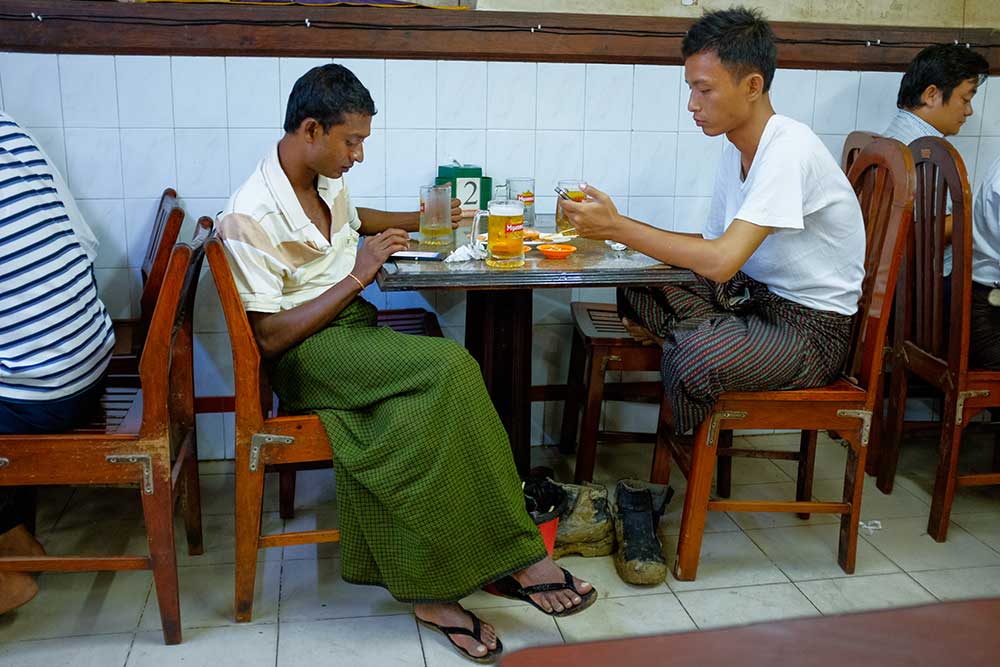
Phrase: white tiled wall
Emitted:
{"points": [[124, 127]]}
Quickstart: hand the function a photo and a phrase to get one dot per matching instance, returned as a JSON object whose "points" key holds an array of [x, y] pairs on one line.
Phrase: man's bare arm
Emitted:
{"points": [[374, 221], [719, 259], [277, 332]]}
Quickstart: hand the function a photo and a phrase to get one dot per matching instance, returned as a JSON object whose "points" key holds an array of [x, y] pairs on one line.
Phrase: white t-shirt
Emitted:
{"points": [[986, 229], [816, 256]]}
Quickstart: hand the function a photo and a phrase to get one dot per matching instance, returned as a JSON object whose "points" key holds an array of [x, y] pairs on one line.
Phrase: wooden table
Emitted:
{"points": [[498, 310], [955, 633]]}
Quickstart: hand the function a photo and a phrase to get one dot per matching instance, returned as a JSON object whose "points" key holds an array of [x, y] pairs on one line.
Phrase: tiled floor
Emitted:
{"points": [[754, 567]]}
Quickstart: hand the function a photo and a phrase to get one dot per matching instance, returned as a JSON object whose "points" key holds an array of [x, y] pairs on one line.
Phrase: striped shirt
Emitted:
{"points": [[55, 334]]}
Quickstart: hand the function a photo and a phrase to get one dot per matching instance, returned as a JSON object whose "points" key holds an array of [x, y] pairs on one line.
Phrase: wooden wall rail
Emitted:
{"points": [[87, 26]]}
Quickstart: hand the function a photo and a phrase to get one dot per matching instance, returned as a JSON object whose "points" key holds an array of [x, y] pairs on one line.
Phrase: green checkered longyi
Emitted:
{"points": [[429, 501]]}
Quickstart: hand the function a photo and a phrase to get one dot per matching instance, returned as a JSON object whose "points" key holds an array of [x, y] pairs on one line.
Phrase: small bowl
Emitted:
{"points": [[556, 250]]}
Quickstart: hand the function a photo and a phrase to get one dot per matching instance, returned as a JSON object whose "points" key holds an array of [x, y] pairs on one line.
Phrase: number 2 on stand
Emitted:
{"points": [[467, 190]]}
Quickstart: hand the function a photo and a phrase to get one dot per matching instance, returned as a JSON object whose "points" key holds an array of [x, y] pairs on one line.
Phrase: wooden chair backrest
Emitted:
{"points": [[253, 393], [166, 352], [166, 229], [883, 178], [941, 176], [855, 141]]}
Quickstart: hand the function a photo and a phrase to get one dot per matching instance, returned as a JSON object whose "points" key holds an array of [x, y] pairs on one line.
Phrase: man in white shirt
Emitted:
{"points": [[984, 343], [781, 259], [935, 99], [430, 505]]}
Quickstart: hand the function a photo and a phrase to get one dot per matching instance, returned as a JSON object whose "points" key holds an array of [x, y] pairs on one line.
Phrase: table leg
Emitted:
{"points": [[498, 335]]}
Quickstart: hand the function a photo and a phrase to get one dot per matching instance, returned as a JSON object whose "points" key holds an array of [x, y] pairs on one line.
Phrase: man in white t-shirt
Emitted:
{"points": [[781, 258], [984, 343]]}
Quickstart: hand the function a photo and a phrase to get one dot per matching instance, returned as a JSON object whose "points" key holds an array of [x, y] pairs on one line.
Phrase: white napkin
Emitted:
{"points": [[466, 253]]}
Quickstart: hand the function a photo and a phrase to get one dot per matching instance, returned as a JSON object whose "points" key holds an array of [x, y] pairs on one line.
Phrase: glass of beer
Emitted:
{"points": [[572, 188], [505, 233], [523, 189], [435, 215]]}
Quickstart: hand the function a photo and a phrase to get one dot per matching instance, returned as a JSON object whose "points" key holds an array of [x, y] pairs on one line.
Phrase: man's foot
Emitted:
{"points": [[17, 588], [451, 614], [19, 542], [547, 572], [641, 334]]}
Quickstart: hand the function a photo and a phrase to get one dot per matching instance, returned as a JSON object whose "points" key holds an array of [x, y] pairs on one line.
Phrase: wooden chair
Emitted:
{"points": [[853, 145], [143, 437], [601, 344], [265, 439], [130, 334], [882, 175], [929, 342]]}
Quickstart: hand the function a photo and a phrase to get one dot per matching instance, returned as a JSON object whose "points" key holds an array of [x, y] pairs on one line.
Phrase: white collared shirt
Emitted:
{"points": [[278, 257], [986, 229]]}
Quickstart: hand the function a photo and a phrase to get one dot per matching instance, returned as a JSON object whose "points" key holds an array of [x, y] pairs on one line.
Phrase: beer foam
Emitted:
{"points": [[509, 210]]}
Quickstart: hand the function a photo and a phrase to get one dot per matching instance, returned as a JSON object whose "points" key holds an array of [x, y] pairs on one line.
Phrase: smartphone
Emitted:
{"points": [[563, 193], [418, 255]]}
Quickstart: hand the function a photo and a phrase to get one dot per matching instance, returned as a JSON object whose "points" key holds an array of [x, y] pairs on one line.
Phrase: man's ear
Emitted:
{"points": [[931, 96], [310, 129], [754, 83]]}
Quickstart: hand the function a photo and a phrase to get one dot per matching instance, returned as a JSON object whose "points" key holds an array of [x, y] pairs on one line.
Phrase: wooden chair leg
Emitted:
{"points": [[249, 502], [191, 504], [157, 510], [947, 470], [586, 454], [696, 499], [994, 417], [25, 506], [873, 453], [574, 390], [724, 467], [807, 468], [660, 471], [892, 435], [854, 476], [286, 494]]}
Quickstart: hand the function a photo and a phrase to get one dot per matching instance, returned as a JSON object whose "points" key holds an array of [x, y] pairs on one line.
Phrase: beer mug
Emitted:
{"points": [[435, 214], [505, 233], [572, 188], [523, 189]]}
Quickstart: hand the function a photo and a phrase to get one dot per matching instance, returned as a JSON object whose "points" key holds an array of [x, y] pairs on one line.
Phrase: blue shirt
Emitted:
{"points": [[908, 127]]}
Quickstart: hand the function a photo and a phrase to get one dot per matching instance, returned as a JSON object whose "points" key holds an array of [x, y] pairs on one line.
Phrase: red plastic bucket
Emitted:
{"points": [[548, 531]]}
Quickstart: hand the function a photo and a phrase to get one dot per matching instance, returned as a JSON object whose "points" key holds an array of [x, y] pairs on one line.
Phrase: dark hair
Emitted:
{"points": [[325, 93], [741, 37], [943, 65]]}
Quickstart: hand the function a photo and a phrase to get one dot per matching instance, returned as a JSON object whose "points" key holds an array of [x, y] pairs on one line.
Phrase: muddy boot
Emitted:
{"points": [[638, 508], [585, 528]]}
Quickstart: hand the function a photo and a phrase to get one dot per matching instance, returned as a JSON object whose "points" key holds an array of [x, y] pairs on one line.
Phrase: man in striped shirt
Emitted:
{"points": [[55, 334]]}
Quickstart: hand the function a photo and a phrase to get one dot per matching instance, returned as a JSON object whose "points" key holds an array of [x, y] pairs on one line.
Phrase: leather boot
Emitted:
{"points": [[638, 508]]}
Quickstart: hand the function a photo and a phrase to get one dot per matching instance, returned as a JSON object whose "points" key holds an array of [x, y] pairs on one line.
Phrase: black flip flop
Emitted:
{"points": [[509, 587], [487, 658]]}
